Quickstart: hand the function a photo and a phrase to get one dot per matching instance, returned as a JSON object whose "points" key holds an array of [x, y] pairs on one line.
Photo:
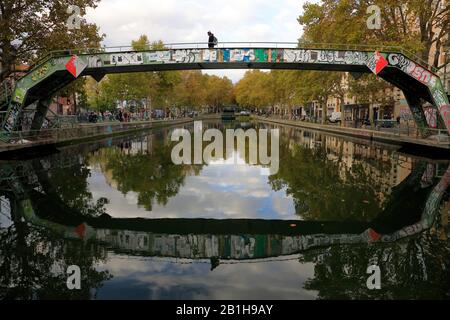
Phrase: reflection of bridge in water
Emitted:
{"points": [[26, 186]]}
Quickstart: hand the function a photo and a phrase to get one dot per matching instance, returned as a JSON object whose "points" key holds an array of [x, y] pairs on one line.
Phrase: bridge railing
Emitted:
{"points": [[239, 45]]}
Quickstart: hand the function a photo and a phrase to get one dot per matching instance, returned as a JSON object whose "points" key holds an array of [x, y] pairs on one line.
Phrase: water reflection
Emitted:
{"points": [[142, 227]]}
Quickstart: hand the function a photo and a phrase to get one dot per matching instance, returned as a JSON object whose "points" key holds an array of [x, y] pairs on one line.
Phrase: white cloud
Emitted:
{"points": [[176, 21], [159, 278]]}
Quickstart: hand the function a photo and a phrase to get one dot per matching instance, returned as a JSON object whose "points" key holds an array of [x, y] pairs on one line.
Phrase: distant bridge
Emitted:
{"points": [[417, 81]]}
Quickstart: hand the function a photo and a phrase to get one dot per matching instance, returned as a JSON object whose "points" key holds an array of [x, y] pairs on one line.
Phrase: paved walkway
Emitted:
{"points": [[441, 142], [84, 132]]}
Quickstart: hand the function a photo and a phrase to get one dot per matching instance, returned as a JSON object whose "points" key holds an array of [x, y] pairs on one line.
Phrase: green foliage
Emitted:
{"points": [[219, 91], [287, 88], [160, 89], [30, 29], [254, 90], [415, 25]]}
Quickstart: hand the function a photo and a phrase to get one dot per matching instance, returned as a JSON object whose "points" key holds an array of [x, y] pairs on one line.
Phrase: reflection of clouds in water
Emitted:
{"points": [[156, 279], [220, 191], [282, 205]]}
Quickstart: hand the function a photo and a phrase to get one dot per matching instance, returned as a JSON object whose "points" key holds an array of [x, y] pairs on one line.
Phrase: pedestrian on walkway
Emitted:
{"points": [[212, 40]]}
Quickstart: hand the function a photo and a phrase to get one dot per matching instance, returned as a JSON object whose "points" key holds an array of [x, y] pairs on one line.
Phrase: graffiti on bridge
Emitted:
{"points": [[375, 61], [229, 55], [427, 78], [411, 68]]}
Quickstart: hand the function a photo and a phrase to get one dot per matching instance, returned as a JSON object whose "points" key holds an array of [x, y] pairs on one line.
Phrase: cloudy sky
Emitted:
{"points": [[175, 21]]}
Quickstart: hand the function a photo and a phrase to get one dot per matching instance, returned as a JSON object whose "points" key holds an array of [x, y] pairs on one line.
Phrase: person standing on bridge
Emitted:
{"points": [[212, 40]]}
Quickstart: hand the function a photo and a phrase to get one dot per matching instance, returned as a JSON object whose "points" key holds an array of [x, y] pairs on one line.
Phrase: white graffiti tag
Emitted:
{"points": [[158, 56], [187, 56], [320, 56], [127, 58], [409, 67]]}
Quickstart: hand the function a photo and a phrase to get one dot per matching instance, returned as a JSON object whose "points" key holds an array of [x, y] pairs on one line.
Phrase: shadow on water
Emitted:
{"points": [[350, 214]]}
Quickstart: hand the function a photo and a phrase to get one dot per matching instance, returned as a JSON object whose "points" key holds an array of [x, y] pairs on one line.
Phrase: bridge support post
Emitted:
{"points": [[415, 106], [41, 112]]}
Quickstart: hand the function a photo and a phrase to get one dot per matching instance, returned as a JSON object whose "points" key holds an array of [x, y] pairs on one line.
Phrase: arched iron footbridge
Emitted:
{"points": [[415, 78]]}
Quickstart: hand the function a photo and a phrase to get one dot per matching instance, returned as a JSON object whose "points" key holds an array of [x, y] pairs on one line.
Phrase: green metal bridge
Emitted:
{"points": [[415, 78]]}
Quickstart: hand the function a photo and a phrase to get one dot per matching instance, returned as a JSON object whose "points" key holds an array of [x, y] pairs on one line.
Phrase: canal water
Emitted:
{"points": [[139, 226]]}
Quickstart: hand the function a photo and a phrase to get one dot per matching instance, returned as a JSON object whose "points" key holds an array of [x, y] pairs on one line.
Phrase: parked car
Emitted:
{"points": [[387, 123], [245, 113], [335, 117]]}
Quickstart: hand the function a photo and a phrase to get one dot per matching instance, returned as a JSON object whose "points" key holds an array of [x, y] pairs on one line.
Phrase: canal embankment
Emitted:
{"points": [[441, 143], [93, 131], [82, 132]]}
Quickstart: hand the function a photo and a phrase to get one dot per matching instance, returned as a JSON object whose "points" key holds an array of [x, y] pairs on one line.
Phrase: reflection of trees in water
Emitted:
{"points": [[33, 263], [324, 189], [413, 268], [150, 173], [68, 187], [34, 260]]}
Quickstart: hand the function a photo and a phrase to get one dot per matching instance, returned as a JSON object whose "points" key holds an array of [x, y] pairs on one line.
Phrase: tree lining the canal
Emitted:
{"points": [[171, 89], [288, 89], [30, 30], [415, 25]]}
